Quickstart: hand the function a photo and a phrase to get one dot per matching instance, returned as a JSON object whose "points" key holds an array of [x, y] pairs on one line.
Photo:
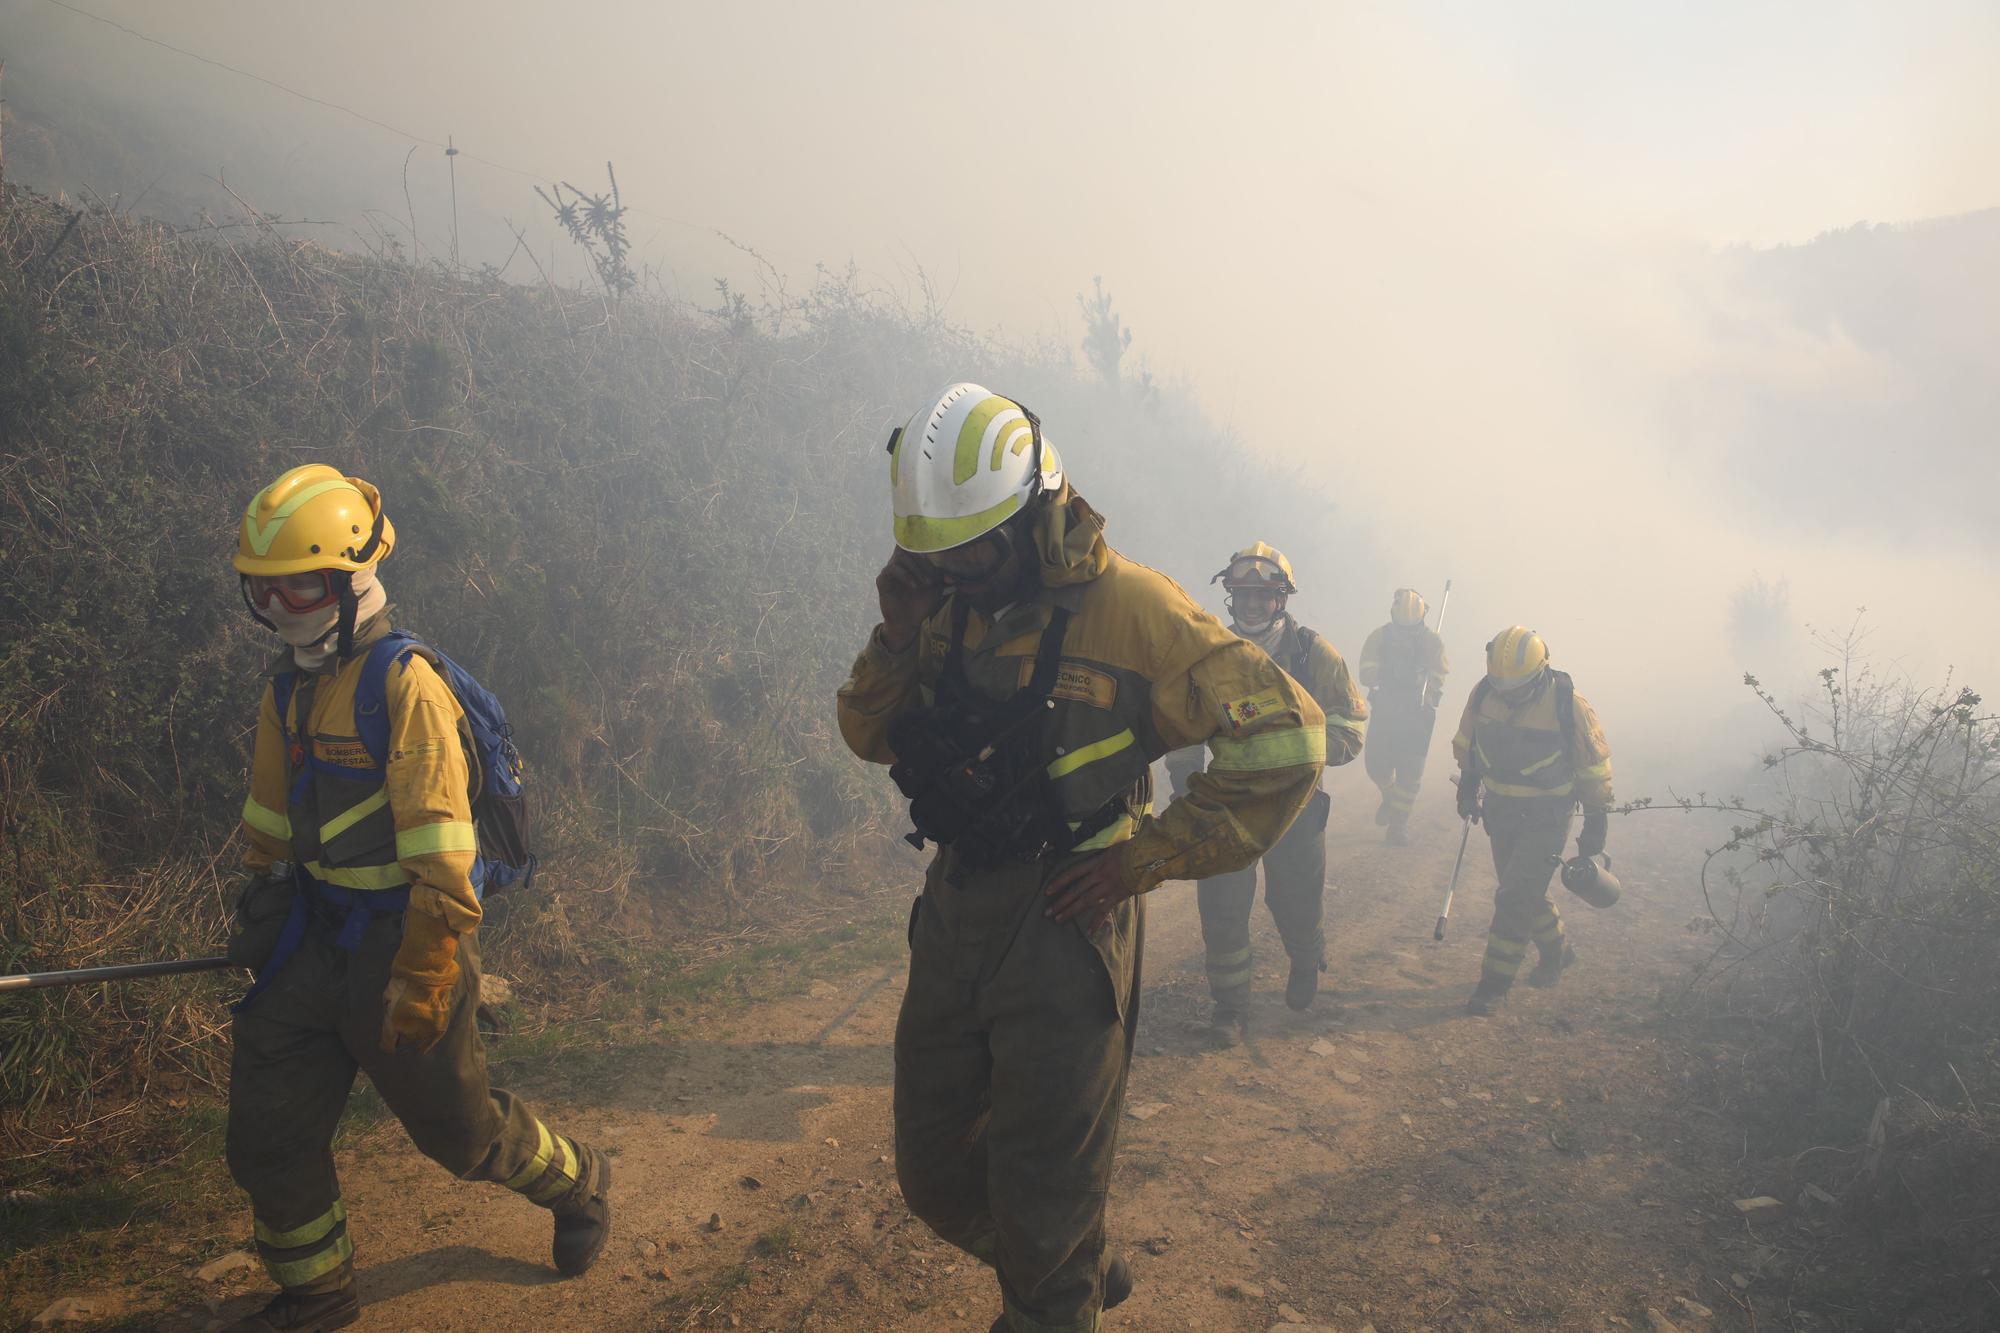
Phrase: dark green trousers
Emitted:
{"points": [[1011, 1054], [1294, 890], [1398, 738], [1527, 837], [296, 1049]]}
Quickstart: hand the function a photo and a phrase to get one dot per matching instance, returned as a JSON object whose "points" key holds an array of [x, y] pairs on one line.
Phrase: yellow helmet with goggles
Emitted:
{"points": [[303, 539]]}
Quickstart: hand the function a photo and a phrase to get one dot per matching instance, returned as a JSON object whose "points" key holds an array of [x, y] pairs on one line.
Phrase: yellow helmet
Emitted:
{"points": [[1515, 656], [313, 518], [1407, 607], [1257, 566]]}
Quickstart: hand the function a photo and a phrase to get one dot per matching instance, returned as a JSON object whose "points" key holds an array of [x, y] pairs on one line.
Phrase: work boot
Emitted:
{"points": [[583, 1216], [1397, 836], [1550, 969], [1382, 810], [302, 1312], [1117, 1282], [1303, 984], [1487, 996], [1226, 1024]]}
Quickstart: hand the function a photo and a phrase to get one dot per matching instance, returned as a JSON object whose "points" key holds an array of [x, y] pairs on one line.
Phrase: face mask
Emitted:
{"points": [[310, 633], [303, 629]]}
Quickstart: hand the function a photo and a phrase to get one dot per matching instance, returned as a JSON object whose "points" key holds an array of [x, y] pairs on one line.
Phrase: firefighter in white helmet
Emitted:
{"points": [[1021, 682]]}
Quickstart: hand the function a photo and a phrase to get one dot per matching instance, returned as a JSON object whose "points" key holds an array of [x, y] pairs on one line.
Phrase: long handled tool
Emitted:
{"points": [[1451, 889], [82, 976], [1430, 708]]}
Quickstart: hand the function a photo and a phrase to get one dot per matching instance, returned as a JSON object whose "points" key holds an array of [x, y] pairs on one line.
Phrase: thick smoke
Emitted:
{"points": [[1571, 308]]}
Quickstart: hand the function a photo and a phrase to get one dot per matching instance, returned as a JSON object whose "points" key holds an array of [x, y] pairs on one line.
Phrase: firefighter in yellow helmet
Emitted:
{"points": [[1259, 582], [1403, 667], [1531, 744], [1022, 680], [360, 918]]}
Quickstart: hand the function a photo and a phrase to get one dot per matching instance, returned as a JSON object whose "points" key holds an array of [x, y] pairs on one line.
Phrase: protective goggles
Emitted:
{"points": [[297, 593]]}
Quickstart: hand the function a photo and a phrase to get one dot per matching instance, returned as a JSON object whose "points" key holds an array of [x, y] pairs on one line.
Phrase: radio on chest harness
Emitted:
{"points": [[973, 767]]}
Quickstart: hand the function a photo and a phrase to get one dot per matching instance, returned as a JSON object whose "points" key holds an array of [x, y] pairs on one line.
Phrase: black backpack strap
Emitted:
{"points": [[298, 767], [951, 674], [1048, 656], [1565, 709], [1302, 653]]}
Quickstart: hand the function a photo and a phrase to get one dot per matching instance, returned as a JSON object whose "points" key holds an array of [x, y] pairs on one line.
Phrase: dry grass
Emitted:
{"points": [[1857, 905], [650, 528]]}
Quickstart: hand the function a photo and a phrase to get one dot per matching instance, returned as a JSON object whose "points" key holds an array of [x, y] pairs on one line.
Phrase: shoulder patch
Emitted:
{"points": [[1077, 683], [1240, 713]]}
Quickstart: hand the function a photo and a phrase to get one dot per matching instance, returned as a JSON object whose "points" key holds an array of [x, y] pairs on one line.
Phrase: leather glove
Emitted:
{"points": [[416, 1005], [1468, 796], [1591, 840], [1433, 693]]}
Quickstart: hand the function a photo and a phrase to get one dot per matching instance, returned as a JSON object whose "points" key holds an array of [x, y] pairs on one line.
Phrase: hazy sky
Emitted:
{"points": [[1457, 257]]}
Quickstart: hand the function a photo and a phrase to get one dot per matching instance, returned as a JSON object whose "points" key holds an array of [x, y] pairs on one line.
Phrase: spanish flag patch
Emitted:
{"points": [[1240, 713]]}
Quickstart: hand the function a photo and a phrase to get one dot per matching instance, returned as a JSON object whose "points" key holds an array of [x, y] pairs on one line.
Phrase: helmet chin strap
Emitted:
{"points": [[344, 626]]}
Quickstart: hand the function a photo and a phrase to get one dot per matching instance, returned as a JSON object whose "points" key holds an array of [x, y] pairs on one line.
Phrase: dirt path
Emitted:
{"points": [[1382, 1160]]}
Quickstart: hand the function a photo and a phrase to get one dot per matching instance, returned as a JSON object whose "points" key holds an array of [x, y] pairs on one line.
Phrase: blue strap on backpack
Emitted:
{"points": [[496, 799]]}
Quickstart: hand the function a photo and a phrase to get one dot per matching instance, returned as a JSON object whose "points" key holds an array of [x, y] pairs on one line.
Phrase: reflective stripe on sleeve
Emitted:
{"points": [[1602, 770], [450, 835], [1287, 748], [266, 820]]}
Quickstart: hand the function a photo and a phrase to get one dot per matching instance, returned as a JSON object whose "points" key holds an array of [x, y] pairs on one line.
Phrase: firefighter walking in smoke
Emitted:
{"points": [[1532, 743], [1258, 581], [1022, 680], [1403, 668], [361, 918]]}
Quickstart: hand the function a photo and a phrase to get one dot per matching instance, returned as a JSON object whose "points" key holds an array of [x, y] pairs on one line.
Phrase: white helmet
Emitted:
{"points": [[965, 465]]}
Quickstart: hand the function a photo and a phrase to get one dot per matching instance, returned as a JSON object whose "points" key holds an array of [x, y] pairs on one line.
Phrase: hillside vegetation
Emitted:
{"points": [[651, 529]]}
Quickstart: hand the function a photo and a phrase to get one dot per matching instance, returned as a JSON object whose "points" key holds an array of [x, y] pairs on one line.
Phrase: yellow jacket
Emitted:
{"points": [[1316, 664], [1400, 664], [1518, 749], [1144, 671], [375, 831]]}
